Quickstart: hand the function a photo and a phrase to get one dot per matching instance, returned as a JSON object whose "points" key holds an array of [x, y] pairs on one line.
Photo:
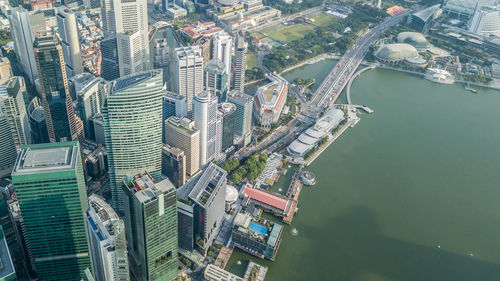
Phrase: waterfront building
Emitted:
{"points": [[12, 91], [50, 188], [395, 53], [68, 32], [151, 227], [173, 105], [256, 236], [215, 273], [188, 68], [460, 8], [89, 101], [132, 126], [415, 39], [201, 209], [7, 270], [269, 201], [129, 21], [107, 241], [38, 127], [313, 135], [485, 21], [23, 26], [240, 64], [421, 18], [183, 134], [223, 51], [216, 79], [255, 271], [269, 101], [243, 120], [228, 111], [174, 165], [5, 68], [110, 69], [62, 123], [205, 118]]}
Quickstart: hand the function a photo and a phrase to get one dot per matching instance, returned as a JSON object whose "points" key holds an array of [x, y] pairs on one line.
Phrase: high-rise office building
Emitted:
{"points": [[151, 225], [7, 271], [7, 146], [50, 188], [228, 111], [24, 25], [173, 105], [216, 79], [38, 126], [205, 118], [240, 64], [89, 101], [182, 133], [70, 43], [174, 165], [219, 155], [223, 51], [132, 126], [107, 241], [110, 69], [244, 108], [161, 55], [56, 101], [188, 68], [129, 21], [12, 102], [5, 68], [201, 218]]}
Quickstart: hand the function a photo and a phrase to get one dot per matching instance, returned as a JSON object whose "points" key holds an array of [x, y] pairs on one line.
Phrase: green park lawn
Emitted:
{"points": [[251, 60], [323, 19], [286, 33]]}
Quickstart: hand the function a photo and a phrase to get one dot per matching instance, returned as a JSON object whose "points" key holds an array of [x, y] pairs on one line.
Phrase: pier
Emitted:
{"points": [[292, 194]]}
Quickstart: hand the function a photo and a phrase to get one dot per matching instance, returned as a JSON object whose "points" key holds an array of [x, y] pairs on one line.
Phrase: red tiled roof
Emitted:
{"points": [[265, 197], [280, 98], [257, 103]]}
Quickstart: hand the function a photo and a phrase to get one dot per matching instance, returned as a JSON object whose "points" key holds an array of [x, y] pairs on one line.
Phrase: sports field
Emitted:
{"points": [[285, 33], [323, 19]]}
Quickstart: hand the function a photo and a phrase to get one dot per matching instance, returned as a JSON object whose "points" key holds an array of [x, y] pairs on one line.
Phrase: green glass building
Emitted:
{"points": [[132, 115], [50, 189], [151, 227]]}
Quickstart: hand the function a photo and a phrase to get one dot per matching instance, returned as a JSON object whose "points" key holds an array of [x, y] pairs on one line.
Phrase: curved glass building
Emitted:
{"points": [[132, 115]]}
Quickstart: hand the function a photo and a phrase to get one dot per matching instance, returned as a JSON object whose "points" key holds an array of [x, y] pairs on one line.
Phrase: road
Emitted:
{"points": [[339, 76]]}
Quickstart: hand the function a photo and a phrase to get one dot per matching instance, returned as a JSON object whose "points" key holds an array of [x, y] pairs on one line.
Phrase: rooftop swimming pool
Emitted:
{"points": [[257, 227]]}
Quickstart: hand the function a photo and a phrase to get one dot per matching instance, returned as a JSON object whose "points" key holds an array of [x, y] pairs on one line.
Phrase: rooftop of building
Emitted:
{"points": [[271, 95], [173, 96], [395, 52], [185, 124], [187, 51], [44, 158], [213, 272], [106, 216], [215, 66], [133, 79], [266, 197], [239, 96], [175, 151], [258, 227], [226, 108], [145, 189], [6, 265], [204, 189], [415, 39]]}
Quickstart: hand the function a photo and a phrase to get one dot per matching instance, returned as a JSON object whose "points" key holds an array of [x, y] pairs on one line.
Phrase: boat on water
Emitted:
{"points": [[439, 75]]}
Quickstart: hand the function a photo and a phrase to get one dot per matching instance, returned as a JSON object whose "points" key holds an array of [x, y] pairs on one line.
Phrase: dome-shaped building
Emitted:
{"points": [[393, 53], [415, 39]]}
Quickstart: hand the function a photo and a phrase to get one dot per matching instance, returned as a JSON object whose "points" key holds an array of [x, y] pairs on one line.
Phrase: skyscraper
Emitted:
{"points": [[173, 105], [228, 111], [244, 108], [129, 21], [23, 37], [5, 68], [183, 134], [151, 225], [174, 165], [56, 101], [188, 73], [12, 102], [110, 69], [89, 101], [38, 125], [132, 126], [223, 51], [216, 79], [68, 31], [240, 64], [205, 118], [50, 188], [7, 146], [107, 241]]}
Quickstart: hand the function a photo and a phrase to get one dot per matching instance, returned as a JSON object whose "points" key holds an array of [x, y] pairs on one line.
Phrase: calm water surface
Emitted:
{"points": [[412, 192]]}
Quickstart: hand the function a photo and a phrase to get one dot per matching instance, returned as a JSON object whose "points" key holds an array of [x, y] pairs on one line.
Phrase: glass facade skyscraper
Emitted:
{"points": [[132, 115], [50, 188]]}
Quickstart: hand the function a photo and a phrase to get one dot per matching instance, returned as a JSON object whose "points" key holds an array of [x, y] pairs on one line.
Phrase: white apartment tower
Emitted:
{"points": [[223, 50], [70, 43], [205, 118], [129, 21], [188, 73]]}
